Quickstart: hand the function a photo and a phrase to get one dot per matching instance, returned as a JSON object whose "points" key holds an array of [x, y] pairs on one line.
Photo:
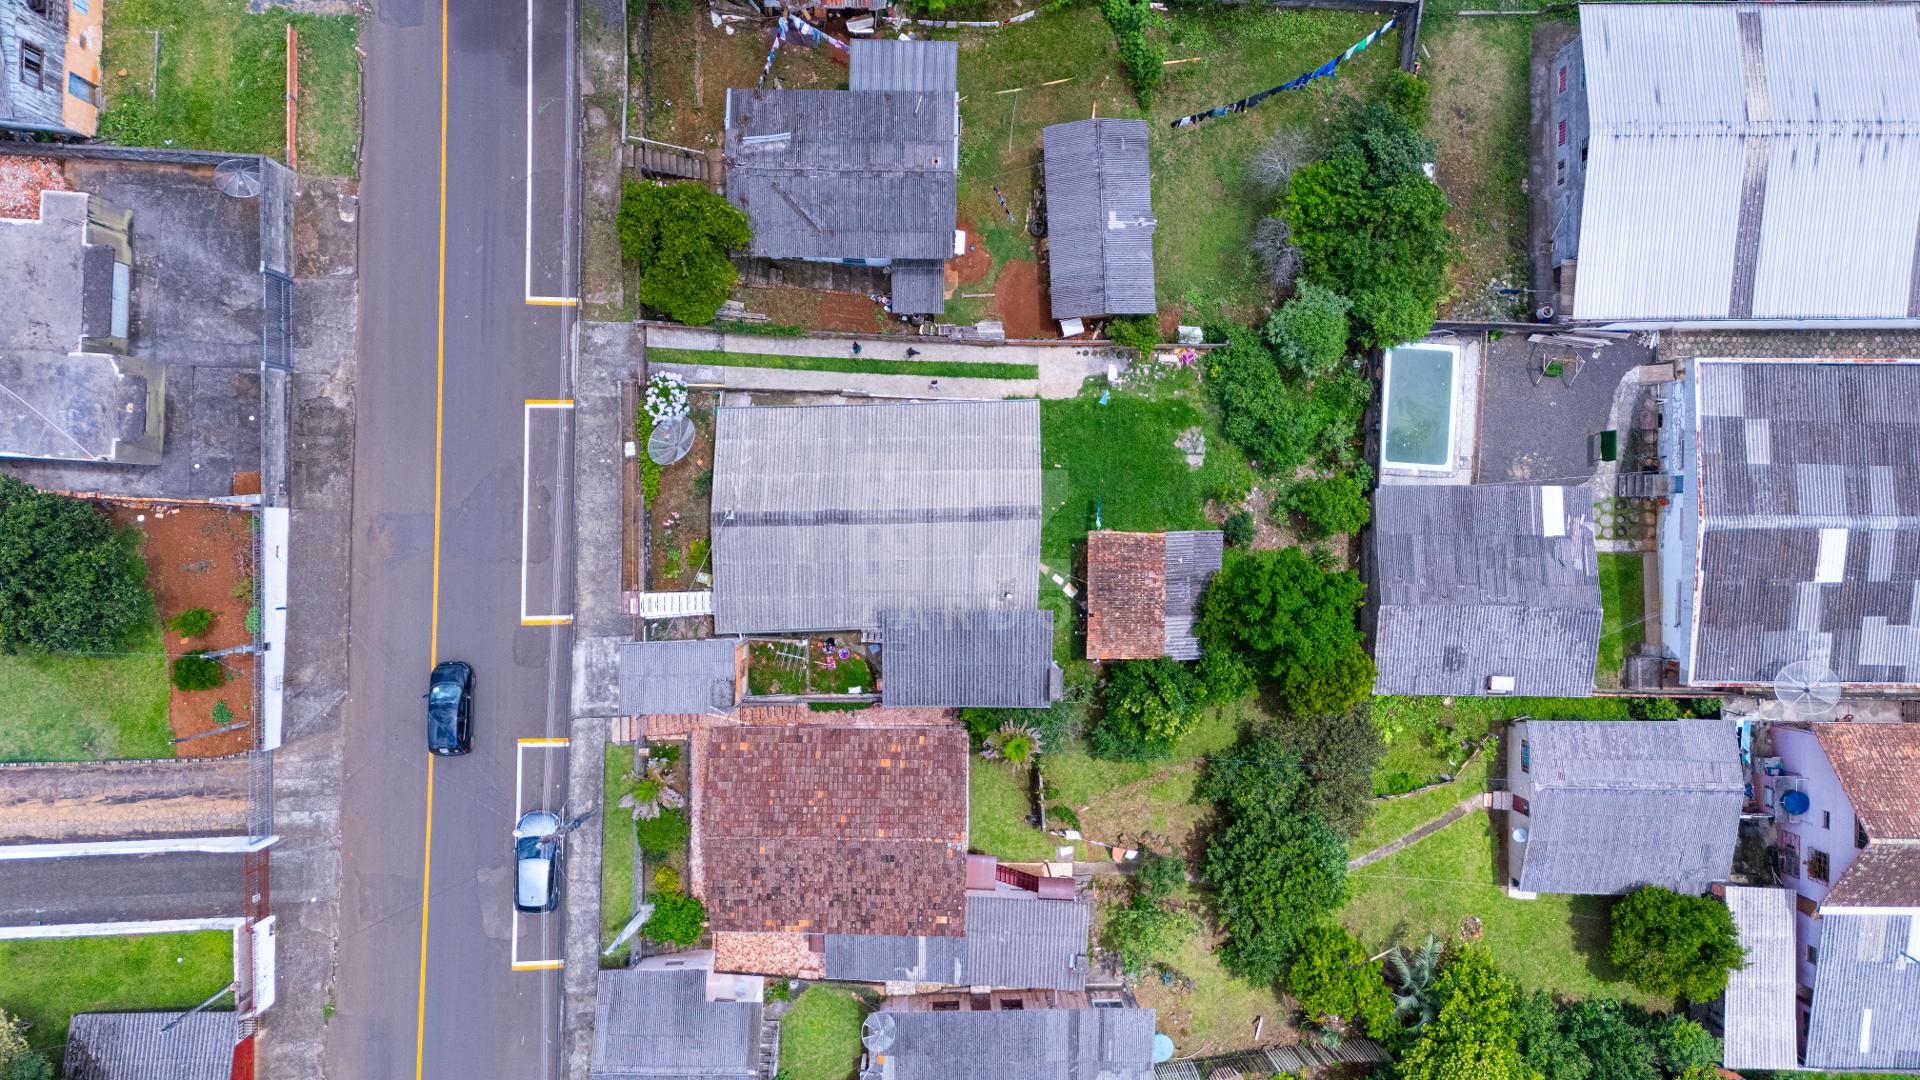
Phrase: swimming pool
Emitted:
{"points": [[1417, 415]]}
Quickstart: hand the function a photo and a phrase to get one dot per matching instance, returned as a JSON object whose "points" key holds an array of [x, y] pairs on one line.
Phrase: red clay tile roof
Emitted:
{"points": [[1879, 766], [1126, 596], [1886, 874], [767, 954], [832, 830], [677, 725]]}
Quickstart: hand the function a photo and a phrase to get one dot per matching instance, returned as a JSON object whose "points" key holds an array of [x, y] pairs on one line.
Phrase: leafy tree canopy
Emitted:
{"points": [[1546, 1048], [1331, 977], [1371, 226], [1476, 1034], [1674, 945], [1281, 421], [1613, 1039], [1337, 753], [1334, 504], [67, 582], [1296, 622], [679, 236], [1308, 333], [1150, 706], [677, 919]]}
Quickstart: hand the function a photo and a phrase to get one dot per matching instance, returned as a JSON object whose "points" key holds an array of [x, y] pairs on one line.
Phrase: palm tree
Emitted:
{"points": [[1014, 743], [651, 792], [1414, 972]]}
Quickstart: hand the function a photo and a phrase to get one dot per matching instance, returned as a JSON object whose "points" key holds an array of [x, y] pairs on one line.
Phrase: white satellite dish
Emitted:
{"points": [[671, 440], [1808, 688], [238, 177], [877, 1033]]}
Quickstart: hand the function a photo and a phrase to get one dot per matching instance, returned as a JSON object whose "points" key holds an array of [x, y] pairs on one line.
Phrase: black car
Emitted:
{"points": [[450, 708]]}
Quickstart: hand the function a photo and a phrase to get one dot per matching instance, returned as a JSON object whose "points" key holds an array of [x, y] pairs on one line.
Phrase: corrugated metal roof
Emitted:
{"points": [[1759, 1025], [1794, 455], [1192, 560], [1617, 804], [1100, 220], [1031, 1044], [1019, 941], [131, 1046], [1866, 996], [892, 64], [1751, 161], [889, 958], [973, 659], [659, 1024], [1472, 582], [919, 288], [678, 676], [824, 517], [836, 174]]}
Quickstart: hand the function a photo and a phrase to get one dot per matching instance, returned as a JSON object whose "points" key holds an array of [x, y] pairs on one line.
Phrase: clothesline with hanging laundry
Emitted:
{"points": [[1324, 71]]}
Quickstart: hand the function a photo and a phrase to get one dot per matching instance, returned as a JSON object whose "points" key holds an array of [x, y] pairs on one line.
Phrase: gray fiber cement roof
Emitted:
{"points": [[1472, 582], [1618, 804], [972, 659], [1866, 995], [1758, 1032], [1193, 558], [892, 64], [1015, 941], [1750, 161], [826, 517], [919, 288], [1810, 509], [659, 1024], [1099, 218], [844, 174], [131, 1046], [678, 676], [1032, 1044]]}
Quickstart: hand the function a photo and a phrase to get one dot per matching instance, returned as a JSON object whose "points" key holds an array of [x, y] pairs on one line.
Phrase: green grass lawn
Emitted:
{"points": [[933, 369], [1220, 1012], [47, 980], [1203, 199], [1422, 731], [1478, 114], [1625, 607], [1553, 943], [71, 708], [1393, 818], [222, 83], [616, 853], [820, 1038]]}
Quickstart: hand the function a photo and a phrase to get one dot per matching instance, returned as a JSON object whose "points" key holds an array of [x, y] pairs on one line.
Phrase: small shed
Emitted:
{"points": [[134, 1046], [659, 677], [1143, 592], [975, 659], [1099, 218]]}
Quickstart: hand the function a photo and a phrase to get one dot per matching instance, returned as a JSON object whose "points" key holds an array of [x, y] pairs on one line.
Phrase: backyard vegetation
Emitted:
{"points": [[1622, 580], [49, 979], [820, 1036], [222, 80]]}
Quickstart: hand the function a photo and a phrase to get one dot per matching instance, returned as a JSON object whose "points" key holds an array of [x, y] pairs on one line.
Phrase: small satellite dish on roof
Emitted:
{"points": [[671, 440], [876, 1034], [1520, 835], [238, 177], [1808, 688]]}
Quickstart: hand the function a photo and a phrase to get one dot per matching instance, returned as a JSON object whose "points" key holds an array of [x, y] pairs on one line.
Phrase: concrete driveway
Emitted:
{"points": [[120, 888]]}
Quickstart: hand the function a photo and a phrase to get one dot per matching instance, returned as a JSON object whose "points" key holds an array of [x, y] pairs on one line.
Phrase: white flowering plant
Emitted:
{"points": [[666, 397]]}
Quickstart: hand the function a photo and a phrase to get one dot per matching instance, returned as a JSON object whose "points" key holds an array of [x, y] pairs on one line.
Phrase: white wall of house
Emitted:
{"points": [[1679, 526], [1827, 828]]}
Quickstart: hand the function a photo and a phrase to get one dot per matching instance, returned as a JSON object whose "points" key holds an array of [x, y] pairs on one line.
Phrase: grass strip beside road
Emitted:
{"points": [[616, 853], [49, 979], [933, 369]]}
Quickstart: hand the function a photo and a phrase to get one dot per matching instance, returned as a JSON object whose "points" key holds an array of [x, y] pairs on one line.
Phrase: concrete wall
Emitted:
{"points": [[1520, 783], [1828, 826], [1678, 532], [1567, 135]]}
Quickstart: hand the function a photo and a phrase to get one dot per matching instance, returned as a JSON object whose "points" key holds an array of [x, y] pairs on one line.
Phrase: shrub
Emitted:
{"points": [[222, 713], [253, 621], [666, 880], [665, 752], [1051, 726], [67, 582], [664, 834], [1654, 708], [779, 990], [1336, 504], [191, 623], [28, 1065], [1159, 876], [676, 920], [1238, 528], [1281, 423], [1308, 333], [1477, 1030], [1061, 817], [678, 235], [1140, 931], [1150, 706], [1674, 945], [1369, 225], [1331, 977], [1407, 96], [1142, 59], [649, 468], [1296, 623], [196, 671], [1337, 753], [1139, 332], [1225, 676]]}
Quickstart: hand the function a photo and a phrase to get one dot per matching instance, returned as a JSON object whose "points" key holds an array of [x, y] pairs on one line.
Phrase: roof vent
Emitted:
{"points": [[1499, 684]]}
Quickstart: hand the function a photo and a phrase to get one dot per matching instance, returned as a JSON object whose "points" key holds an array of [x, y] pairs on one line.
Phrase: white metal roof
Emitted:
{"points": [[1751, 162]]}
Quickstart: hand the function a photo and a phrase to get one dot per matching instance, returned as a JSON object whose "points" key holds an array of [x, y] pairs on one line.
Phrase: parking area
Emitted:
{"points": [[540, 783]]}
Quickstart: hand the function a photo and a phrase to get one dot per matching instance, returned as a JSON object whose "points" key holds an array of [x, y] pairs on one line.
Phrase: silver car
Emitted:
{"points": [[536, 861]]}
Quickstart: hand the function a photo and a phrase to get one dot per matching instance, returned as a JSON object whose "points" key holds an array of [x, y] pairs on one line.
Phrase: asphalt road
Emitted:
{"points": [[457, 528], [120, 888]]}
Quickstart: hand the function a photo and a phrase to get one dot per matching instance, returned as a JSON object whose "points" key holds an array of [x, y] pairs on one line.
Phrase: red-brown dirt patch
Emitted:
{"points": [[850, 311], [1022, 300], [974, 265], [202, 557]]}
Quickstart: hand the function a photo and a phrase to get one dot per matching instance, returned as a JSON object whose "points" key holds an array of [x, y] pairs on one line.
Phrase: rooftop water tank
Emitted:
{"points": [[1795, 802]]}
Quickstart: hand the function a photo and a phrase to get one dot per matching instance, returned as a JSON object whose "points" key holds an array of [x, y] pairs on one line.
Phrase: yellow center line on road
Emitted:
{"points": [[433, 622]]}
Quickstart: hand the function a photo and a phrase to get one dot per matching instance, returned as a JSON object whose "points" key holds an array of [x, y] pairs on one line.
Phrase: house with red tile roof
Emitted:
{"points": [[1143, 592]]}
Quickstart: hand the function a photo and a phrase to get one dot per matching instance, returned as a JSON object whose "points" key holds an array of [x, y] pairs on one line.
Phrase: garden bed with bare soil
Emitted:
{"points": [[202, 557], [826, 664], [677, 520]]}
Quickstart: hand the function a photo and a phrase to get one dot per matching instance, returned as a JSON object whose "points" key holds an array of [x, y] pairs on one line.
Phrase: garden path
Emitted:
{"points": [[1486, 800]]}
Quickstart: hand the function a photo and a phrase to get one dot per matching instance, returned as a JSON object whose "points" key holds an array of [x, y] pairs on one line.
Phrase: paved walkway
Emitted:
{"points": [[122, 888], [1063, 368], [1486, 800]]}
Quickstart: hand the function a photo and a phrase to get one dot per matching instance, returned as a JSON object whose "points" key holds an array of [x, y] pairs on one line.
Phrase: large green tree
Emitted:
{"points": [[1297, 623], [1308, 333], [1370, 225], [1331, 977], [1476, 1034], [678, 235], [1674, 945], [1150, 705], [1276, 871], [1280, 418], [1337, 753], [67, 582]]}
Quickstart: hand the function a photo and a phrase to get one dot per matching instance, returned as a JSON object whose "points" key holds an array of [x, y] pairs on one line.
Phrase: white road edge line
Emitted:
{"points": [[527, 293], [526, 499]]}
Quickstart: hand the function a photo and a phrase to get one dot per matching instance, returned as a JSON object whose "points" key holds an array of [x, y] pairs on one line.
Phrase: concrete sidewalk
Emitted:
{"points": [[122, 888], [1063, 367]]}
